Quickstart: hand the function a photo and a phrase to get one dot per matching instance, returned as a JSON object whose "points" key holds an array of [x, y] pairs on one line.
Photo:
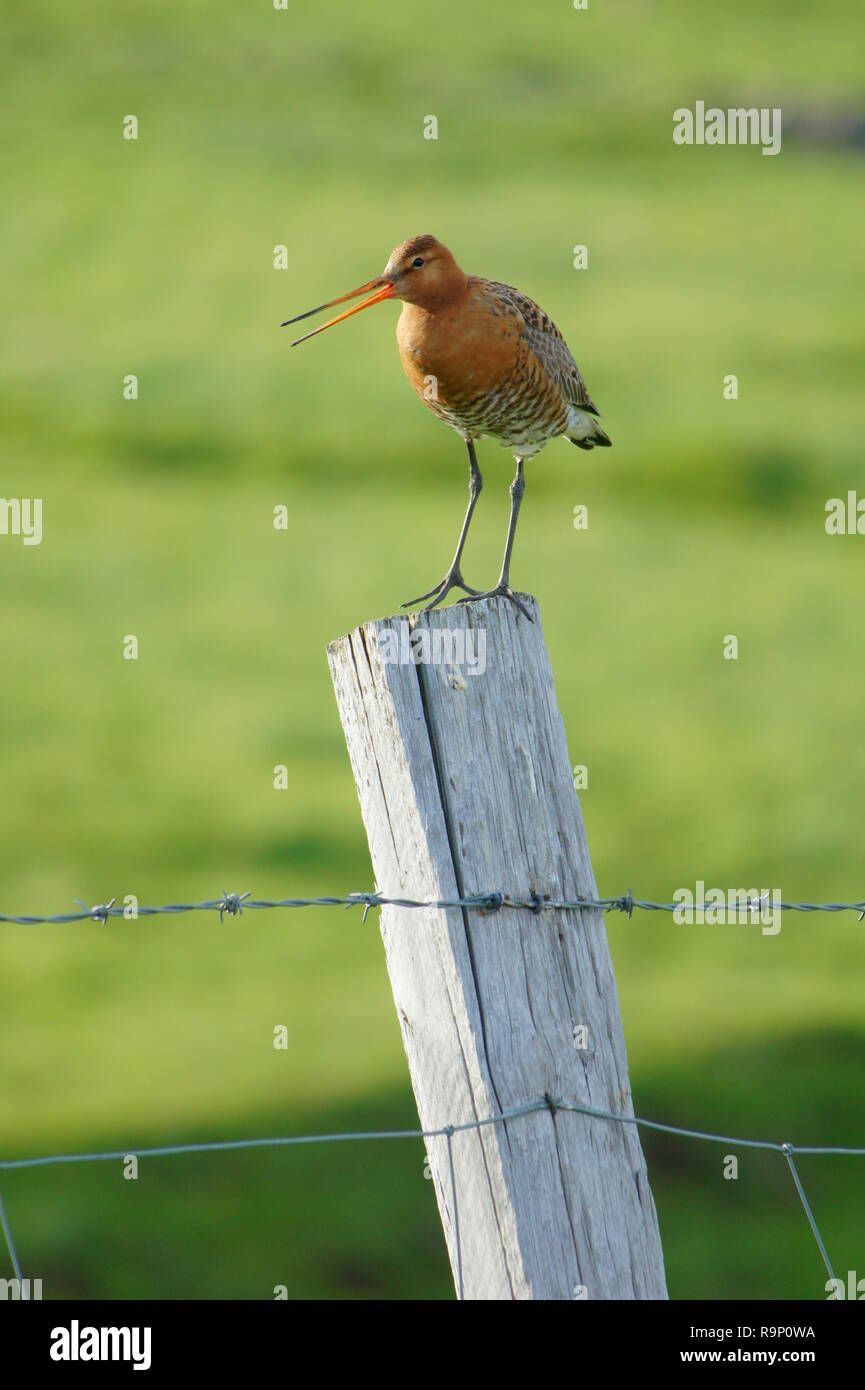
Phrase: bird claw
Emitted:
{"points": [[452, 580], [500, 591]]}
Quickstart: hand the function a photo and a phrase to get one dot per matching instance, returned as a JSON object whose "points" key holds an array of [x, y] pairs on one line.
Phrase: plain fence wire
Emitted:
{"points": [[446, 1132], [10, 1244], [233, 904]]}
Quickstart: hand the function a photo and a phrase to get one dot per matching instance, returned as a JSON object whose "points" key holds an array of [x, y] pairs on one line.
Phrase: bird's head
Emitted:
{"points": [[423, 271], [420, 271]]}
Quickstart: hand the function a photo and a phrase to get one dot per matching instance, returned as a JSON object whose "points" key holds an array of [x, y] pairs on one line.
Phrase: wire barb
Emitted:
{"points": [[368, 899], [97, 914], [491, 902], [232, 903]]}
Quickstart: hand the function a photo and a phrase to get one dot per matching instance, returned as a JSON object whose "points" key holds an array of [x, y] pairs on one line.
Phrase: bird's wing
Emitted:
{"points": [[548, 345]]}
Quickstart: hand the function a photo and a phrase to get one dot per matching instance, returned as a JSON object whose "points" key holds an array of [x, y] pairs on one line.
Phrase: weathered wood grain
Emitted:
{"points": [[465, 787]]}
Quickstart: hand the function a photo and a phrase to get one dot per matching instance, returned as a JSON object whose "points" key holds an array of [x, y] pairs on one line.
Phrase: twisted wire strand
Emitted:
{"points": [[234, 904]]}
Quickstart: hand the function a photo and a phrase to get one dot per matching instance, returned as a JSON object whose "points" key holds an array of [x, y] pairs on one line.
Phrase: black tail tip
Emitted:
{"points": [[602, 440]]}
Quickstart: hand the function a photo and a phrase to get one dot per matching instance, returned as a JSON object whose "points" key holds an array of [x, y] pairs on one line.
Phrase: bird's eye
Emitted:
{"points": [[417, 262]]}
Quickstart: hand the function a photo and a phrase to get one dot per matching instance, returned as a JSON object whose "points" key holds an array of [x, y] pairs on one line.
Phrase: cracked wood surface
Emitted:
{"points": [[465, 787]]}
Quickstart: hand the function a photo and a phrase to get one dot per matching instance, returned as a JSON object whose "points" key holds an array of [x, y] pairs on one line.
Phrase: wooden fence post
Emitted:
{"points": [[461, 765]]}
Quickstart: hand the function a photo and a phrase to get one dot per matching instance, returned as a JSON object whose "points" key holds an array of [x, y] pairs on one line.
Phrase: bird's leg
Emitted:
{"points": [[453, 579], [503, 588]]}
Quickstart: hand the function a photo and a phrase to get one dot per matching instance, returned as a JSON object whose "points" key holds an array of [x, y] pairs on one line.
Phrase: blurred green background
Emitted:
{"points": [[305, 128]]}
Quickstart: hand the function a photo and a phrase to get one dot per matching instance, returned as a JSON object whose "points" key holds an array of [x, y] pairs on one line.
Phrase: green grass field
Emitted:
{"points": [[155, 777]]}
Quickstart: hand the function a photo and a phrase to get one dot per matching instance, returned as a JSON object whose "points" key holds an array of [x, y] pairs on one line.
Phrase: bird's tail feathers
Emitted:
{"points": [[598, 436]]}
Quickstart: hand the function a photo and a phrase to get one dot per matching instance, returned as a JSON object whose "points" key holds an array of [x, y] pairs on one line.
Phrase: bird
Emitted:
{"points": [[487, 360]]}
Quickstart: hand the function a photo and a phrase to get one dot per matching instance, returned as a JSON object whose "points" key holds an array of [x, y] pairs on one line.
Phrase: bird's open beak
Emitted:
{"points": [[383, 290]]}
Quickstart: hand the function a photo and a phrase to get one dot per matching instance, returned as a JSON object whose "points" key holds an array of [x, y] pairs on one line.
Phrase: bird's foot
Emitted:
{"points": [[452, 580], [502, 590]]}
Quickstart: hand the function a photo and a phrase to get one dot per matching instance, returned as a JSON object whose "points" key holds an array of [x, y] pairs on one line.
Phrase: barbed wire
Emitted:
{"points": [[446, 1132], [234, 904]]}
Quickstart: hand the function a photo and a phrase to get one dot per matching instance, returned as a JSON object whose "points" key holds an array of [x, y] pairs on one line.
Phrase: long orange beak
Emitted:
{"points": [[383, 290]]}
